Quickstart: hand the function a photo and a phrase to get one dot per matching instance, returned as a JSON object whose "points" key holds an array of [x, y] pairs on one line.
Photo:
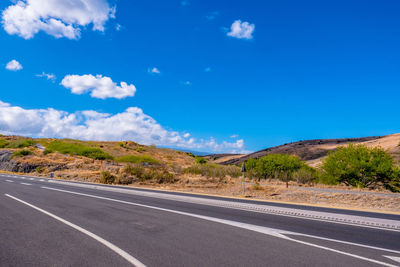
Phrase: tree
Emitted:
{"points": [[358, 165], [281, 166]]}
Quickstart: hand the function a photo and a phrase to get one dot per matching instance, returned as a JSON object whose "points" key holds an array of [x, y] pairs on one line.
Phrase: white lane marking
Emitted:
{"points": [[111, 246], [9, 181], [393, 258], [31, 179], [41, 180], [25, 184], [359, 221], [261, 229], [345, 242]]}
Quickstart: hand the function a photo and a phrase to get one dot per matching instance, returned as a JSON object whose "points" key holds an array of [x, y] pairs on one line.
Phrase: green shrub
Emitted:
{"points": [[40, 169], [200, 160], [21, 153], [359, 165], [21, 143], [47, 151], [394, 184], [306, 175], [279, 166], [107, 178], [213, 170], [77, 149], [137, 159], [140, 149], [3, 143]]}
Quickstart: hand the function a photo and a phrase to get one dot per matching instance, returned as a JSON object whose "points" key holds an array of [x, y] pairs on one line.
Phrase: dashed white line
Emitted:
{"points": [[9, 181], [111, 246], [265, 230], [25, 184]]}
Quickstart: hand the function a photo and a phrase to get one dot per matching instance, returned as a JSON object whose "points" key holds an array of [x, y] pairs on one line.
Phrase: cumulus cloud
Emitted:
{"points": [[153, 70], [48, 76], [131, 124], [241, 30], [58, 18], [99, 86], [14, 65]]}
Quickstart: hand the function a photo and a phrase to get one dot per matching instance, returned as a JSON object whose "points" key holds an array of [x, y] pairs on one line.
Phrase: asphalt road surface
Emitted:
{"points": [[48, 223]]}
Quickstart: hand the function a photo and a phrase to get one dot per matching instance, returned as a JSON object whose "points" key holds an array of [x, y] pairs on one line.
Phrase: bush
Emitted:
{"points": [[200, 160], [306, 175], [358, 165], [140, 149], [107, 178], [213, 170], [280, 166], [3, 143], [21, 153], [137, 159], [19, 143], [77, 149], [157, 174], [40, 169], [394, 184]]}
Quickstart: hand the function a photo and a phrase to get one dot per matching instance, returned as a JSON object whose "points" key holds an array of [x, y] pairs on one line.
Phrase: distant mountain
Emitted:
{"points": [[313, 151]]}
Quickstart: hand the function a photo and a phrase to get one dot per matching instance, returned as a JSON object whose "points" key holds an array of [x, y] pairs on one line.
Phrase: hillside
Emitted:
{"points": [[84, 160], [313, 151]]}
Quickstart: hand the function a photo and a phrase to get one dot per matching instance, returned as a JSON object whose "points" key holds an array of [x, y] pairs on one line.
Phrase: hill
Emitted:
{"points": [[313, 151]]}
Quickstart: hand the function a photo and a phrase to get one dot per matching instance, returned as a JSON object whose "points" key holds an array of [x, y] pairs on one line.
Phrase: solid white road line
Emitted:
{"points": [[260, 229], [111, 246], [9, 181], [393, 258], [25, 184], [346, 219], [41, 180]]}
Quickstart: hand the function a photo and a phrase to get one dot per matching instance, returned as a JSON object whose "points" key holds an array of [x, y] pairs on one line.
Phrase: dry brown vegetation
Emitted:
{"points": [[175, 170]]}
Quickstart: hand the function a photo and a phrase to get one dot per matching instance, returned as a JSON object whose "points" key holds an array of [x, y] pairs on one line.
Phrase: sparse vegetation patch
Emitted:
{"points": [[137, 159], [213, 170], [21, 153], [76, 149]]}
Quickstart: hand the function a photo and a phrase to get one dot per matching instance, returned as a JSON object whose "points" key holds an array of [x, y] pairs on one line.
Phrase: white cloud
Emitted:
{"points": [[241, 30], [14, 65], [118, 27], [153, 70], [187, 83], [48, 76], [186, 135], [99, 86], [59, 18], [131, 124], [234, 136]]}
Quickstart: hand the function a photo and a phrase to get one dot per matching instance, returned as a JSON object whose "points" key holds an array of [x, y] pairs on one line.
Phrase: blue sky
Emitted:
{"points": [[290, 70]]}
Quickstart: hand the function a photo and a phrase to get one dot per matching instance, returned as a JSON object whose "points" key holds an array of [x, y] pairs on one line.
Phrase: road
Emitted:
{"points": [[48, 223]]}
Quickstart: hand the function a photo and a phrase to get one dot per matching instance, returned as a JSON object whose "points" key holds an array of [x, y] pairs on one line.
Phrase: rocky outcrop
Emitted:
{"points": [[8, 164]]}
